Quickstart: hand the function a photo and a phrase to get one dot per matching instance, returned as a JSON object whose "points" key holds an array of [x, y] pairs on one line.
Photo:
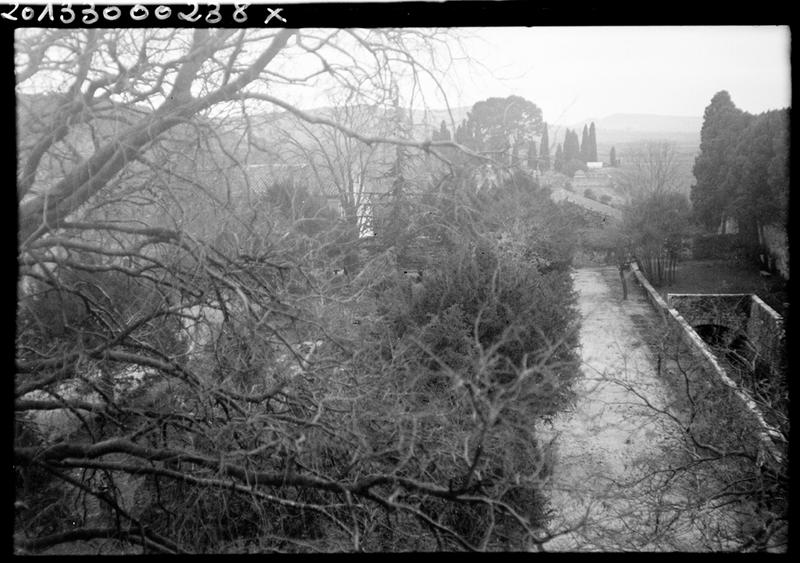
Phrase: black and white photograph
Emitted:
{"points": [[348, 278]]}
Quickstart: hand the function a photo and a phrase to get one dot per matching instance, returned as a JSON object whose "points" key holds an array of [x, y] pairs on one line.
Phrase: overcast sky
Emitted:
{"points": [[574, 73], [578, 73]]}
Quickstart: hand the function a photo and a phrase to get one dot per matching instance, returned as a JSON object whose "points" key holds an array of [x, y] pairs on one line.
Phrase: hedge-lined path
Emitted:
{"points": [[611, 439]]}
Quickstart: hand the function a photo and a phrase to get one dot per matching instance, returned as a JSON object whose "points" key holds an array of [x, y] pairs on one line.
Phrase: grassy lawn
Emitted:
{"points": [[726, 276]]}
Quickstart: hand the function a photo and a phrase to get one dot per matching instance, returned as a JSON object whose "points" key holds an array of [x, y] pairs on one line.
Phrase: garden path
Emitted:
{"points": [[606, 448]]}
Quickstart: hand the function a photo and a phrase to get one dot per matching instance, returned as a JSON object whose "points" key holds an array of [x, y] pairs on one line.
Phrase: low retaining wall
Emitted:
{"points": [[725, 309], [743, 313], [766, 332], [703, 354]]}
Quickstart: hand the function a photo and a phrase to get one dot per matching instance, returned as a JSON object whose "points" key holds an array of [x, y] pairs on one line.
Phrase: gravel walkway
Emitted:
{"points": [[607, 447]]}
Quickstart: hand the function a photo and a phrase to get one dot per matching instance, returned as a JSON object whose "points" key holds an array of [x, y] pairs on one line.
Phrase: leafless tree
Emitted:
{"points": [[652, 169], [720, 482]]}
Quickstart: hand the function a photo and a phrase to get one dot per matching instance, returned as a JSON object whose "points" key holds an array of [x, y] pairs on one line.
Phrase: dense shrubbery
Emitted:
{"points": [[287, 407], [204, 366], [499, 299], [69, 309], [597, 239], [489, 332]]}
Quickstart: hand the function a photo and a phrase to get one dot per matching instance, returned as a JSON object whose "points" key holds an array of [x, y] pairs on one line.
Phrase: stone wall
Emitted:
{"points": [[766, 333], [731, 310], [702, 353], [742, 313]]}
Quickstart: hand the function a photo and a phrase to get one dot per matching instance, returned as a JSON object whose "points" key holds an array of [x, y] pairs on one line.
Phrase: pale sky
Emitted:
{"points": [[574, 73], [578, 73]]}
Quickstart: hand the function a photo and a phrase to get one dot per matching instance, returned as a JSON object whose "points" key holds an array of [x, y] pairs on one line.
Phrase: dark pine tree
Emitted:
{"points": [[444, 132], [592, 143], [462, 134], [585, 150], [723, 126], [612, 157], [572, 149], [544, 150], [558, 163], [759, 163]]}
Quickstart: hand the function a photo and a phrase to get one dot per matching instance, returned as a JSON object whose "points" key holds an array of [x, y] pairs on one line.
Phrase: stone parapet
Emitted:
{"points": [[678, 325]]}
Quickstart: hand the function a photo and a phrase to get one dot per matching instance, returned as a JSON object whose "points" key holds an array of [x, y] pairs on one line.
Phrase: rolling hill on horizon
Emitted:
{"points": [[646, 122]]}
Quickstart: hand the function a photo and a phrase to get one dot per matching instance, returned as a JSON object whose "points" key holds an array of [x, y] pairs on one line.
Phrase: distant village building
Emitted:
{"points": [[594, 165]]}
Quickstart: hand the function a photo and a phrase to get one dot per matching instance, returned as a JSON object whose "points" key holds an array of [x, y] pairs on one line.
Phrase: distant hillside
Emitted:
{"points": [[647, 123], [626, 130], [432, 118]]}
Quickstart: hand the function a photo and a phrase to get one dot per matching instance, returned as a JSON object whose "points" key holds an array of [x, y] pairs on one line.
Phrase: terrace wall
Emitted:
{"points": [[742, 313], [702, 353], [766, 333]]}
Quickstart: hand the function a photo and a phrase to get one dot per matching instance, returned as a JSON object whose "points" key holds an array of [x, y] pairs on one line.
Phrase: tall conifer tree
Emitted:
{"points": [[558, 164], [723, 125], [585, 144], [544, 150], [592, 143], [572, 149], [444, 132]]}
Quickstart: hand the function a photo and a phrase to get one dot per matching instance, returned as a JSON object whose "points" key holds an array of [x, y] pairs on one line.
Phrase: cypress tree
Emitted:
{"points": [[558, 164], [612, 157], [575, 146], [544, 150], [584, 150], [592, 143], [723, 126], [444, 132], [572, 148], [462, 134]]}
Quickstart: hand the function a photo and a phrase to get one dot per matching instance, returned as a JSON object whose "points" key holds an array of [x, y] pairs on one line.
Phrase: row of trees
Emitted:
{"points": [[742, 169], [573, 154], [498, 127], [504, 126]]}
